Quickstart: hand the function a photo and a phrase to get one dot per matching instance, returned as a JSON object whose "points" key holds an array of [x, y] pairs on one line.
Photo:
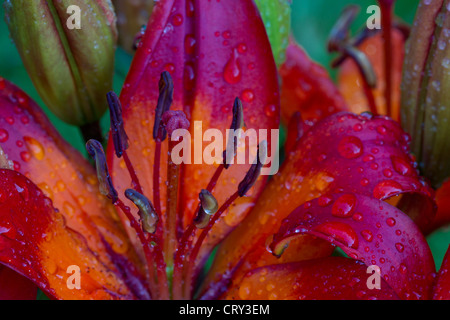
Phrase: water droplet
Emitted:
{"points": [[35, 148], [386, 189], [270, 110], [350, 147], [324, 201], [3, 135], [232, 72], [344, 206], [367, 235], [242, 48], [248, 95], [189, 44], [177, 20], [400, 247], [401, 166], [390, 222], [189, 77], [25, 156], [341, 232]]}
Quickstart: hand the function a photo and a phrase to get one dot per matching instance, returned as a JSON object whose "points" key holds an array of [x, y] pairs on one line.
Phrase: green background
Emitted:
{"points": [[312, 21]]}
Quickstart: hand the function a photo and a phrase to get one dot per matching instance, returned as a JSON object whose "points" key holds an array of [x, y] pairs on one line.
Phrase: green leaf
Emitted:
{"points": [[276, 15]]}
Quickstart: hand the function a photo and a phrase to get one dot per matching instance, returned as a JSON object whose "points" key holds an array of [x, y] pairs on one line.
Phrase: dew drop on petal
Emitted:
{"points": [[341, 232], [344, 206], [350, 147]]}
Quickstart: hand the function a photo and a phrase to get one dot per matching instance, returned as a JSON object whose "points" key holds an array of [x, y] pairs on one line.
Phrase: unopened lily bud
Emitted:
{"points": [[67, 47], [425, 94]]}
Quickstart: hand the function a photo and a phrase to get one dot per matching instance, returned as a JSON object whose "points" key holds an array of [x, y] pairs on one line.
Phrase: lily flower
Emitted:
{"points": [[141, 226]]}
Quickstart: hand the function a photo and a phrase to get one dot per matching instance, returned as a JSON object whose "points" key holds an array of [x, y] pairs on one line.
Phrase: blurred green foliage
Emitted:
{"points": [[311, 22]]}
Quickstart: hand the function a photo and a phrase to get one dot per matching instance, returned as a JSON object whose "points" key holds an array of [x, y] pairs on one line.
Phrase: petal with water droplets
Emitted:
{"points": [[39, 152], [381, 235], [307, 87], [332, 278], [350, 82], [211, 62], [36, 243], [341, 153]]}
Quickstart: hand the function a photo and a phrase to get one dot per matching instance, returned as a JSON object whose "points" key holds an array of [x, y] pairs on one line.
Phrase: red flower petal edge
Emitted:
{"points": [[369, 230], [35, 242], [331, 278], [13, 286]]}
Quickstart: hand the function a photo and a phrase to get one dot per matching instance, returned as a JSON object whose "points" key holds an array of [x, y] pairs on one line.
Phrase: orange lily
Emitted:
{"points": [[339, 169]]}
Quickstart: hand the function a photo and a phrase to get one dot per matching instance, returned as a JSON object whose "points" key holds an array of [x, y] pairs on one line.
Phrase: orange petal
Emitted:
{"points": [[36, 243], [40, 153], [332, 278], [211, 62], [342, 153], [350, 82], [307, 87]]}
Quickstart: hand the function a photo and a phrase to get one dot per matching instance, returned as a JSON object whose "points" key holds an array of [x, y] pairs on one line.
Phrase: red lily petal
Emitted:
{"points": [[13, 286], [36, 243], [369, 230], [40, 153], [307, 87], [442, 286], [342, 153], [332, 278], [350, 82], [211, 62], [443, 207]]}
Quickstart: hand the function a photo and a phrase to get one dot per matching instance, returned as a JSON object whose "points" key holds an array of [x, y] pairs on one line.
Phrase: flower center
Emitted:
{"points": [[170, 251]]}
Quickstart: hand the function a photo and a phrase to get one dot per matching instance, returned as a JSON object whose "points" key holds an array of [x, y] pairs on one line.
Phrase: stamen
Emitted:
{"points": [[162, 292], [255, 170], [119, 136], [340, 32], [95, 150], [165, 100], [236, 124], [118, 133], [172, 121], [149, 218], [248, 181], [208, 207], [339, 42], [159, 133]]}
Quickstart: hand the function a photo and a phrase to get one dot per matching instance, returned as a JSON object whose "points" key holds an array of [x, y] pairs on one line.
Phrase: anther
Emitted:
{"points": [[340, 31], [254, 171], [147, 213], [236, 125], [208, 207], [95, 150], [164, 102], [118, 133]]}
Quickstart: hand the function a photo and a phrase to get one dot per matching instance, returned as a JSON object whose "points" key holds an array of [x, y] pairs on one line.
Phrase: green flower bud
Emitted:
{"points": [[425, 91], [67, 47], [276, 15]]}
